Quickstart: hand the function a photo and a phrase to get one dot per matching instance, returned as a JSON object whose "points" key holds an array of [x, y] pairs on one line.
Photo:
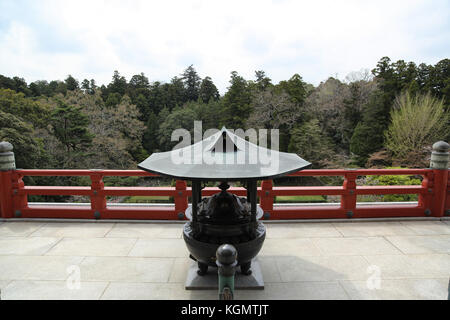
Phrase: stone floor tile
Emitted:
{"points": [[411, 266], [93, 247], [402, 289], [289, 247], [354, 246], [371, 229], [52, 290], [19, 229], [269, 269], [36, 267], [26, 246], [4, 283], [146, 230], [421, 244], [73, 229], [163, 248], [154, 291], [322, 268], [427, 227], [301, 230], [180, 270], [126, 269]]}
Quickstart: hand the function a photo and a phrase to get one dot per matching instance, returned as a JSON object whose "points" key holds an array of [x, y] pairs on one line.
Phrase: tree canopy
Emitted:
{"points": [[397, 109]]}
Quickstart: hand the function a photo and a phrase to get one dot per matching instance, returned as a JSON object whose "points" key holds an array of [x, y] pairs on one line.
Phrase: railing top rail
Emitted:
{"points": [[141, 173], [359, 172], [85, 172]]}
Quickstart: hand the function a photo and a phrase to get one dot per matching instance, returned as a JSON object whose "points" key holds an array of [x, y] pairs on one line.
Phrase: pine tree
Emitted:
{"points": [[368, 135], [262, 82], [70, 127], [191, 82], [309, 143], [237, 102], [71, 83], [208, 90], [352, 113], [150, 138], [118, 84], [295, 87], [139, 81], [86, 85]]}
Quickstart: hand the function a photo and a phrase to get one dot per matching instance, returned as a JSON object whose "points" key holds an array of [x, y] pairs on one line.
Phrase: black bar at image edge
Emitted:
{"points": [[213, 309]]}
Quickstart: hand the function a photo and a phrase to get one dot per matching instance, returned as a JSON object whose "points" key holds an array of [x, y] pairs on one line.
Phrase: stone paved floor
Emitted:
{"points": [[341, 260]]}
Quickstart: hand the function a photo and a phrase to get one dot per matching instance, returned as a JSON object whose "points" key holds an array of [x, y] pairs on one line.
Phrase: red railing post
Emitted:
{"points": [[439, 163], [348, 199], [98, 199], [6, 203], [7, 167], [180, 198], [266, 198], [20, 200], [447, 201], [426, 199]]}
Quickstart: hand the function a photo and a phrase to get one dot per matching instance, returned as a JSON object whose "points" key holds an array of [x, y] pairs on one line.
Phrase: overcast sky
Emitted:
{"points": [[48, 40]]}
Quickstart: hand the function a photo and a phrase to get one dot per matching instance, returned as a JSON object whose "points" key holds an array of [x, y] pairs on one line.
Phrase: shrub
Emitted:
{"points": [[395, 180]]}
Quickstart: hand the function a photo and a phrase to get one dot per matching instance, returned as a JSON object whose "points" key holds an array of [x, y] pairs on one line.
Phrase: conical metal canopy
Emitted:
{"points": [[223, 156]]}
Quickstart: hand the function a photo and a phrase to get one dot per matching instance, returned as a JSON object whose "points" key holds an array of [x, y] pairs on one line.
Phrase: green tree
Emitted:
{"points": [[117, 85], [36, 90], [309, 143], [191, 82], [71, 83], [236, 102], [70, 127], [150, 140], [367, 137], [208, 91], [295, 87], [262, 81], [93, 86], [28, 150], [86, 85], [113, 99], [117, 132], [178, 118], [143, 106], [209, 113], [440, 80], [28, 110], [57, 87], [17, 84], [417, 121], [157, 98], [139, 81], [355, 99]]}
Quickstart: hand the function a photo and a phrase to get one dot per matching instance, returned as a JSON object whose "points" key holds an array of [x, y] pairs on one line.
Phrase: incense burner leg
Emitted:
{"points": [[246, 268], [202, 269]]}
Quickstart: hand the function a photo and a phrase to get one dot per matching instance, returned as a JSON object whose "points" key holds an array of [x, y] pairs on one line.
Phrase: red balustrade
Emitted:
{"points": [[434, 196]]}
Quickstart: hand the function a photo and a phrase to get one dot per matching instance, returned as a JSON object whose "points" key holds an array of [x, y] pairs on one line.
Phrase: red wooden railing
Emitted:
{"points": [[434, 196]]}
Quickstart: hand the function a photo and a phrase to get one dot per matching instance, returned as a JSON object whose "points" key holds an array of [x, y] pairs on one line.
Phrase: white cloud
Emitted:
{"points": [[160, 38]]}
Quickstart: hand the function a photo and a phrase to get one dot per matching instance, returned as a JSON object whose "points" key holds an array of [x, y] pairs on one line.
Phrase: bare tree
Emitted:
{"points": [[357, 76], [272, 109]]}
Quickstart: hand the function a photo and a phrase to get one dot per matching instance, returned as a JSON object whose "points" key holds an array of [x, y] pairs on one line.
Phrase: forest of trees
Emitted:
{"points": [[362, 121]]}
